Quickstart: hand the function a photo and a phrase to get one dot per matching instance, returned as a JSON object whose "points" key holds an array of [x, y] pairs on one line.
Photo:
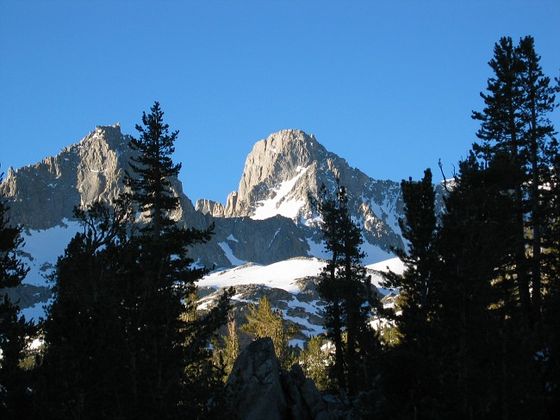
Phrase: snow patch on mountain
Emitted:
{"points": [[376, 271], [307, 327], [394, 264], [232, 238], [43, 247], [280, 275], [373, 253], [280, 203], [317, 249], [229, 254], [388, 212], [284, 274]]}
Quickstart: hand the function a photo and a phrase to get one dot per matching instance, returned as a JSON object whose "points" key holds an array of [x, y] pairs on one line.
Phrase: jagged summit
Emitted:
{"points": [[42, 195], [281, 173], [282, 156], [272, 169], [45, 193]]}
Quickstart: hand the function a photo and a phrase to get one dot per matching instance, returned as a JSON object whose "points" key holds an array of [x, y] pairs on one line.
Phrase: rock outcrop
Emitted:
{"points": [[305, 401], [261, 241], [210, 207], [257, 388]]}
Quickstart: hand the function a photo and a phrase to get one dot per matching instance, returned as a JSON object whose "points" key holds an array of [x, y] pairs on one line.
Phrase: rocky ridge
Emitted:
{"points": [[269, 219], [286, 170], [43, 194]]}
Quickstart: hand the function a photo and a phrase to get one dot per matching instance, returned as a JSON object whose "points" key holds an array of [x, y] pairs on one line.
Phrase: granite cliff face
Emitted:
{"points": [[43, 194], [285, 169]]}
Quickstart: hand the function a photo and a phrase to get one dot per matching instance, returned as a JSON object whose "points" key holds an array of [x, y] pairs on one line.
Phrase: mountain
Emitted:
{"points": [[286, 170], [269, 219], [43, 195]]}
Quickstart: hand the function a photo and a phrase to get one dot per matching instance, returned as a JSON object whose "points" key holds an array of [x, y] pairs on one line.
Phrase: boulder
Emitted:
{"points": [[254, 387], [258, 388]]}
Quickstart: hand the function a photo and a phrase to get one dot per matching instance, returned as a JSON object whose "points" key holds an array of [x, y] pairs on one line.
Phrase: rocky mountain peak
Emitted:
{"points": [[269, 219], [284, 170], [279, 157], [108, 134], [284, 156], [43, 194]]}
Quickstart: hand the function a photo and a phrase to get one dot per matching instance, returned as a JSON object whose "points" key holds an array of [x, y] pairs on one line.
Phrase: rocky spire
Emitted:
{"points": [[43, 194], [285, 169]]}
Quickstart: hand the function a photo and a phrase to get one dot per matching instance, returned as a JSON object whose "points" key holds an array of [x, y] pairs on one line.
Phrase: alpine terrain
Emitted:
{"points": [[267, 238]]}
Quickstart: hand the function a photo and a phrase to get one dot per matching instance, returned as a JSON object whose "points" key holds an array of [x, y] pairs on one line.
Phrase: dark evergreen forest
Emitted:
{"points": [[474, 332]]}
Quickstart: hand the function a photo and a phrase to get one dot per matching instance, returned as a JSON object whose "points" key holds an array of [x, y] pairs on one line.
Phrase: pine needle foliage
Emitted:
{"points": [[346, 289], [14, 395], [263, 321]]}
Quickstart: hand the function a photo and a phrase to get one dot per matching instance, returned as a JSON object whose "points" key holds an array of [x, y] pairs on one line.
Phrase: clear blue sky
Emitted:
{"points": [[389, 85]]}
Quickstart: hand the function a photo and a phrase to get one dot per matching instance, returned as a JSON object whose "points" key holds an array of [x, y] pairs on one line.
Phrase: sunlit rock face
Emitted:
{"points": [[210, 207], [43, 194], [284, 173]]}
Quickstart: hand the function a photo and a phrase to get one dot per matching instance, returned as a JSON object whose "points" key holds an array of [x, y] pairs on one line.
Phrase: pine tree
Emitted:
{"points": [[204, 395], [346, 288], [539, 147], [227, 351], [84, 372], [14, 399], [550, 351], [477, 281], [12, 269], [417, 288], [263, 321], [473, 247], [315, 361], [515, 120], [14, 380], [455, 297], [165, 280], [502, 130], [418, 391], [122, 337], [153, 168], [331, 287]]}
